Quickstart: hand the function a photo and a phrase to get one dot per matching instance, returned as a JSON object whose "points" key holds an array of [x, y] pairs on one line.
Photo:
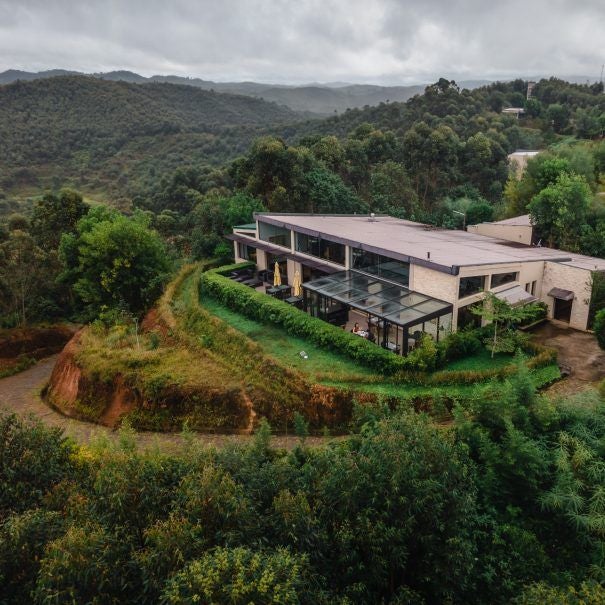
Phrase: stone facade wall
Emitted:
{"points": [[575, 279]]}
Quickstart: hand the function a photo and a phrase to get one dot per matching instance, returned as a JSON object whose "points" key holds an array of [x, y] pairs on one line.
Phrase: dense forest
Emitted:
{"points": [[440, 158], [504, 506], [116, 137]]}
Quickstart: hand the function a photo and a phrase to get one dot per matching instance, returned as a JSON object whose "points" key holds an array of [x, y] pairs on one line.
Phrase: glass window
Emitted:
{"points": [[499, 279], [246, 252], [321, 248], [471, 285], [445, 325], [280, 236], [381, 266], [467, 318]]}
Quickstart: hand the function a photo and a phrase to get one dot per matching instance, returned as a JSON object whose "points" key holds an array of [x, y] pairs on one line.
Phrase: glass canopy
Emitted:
{"points": [[392, 303]]}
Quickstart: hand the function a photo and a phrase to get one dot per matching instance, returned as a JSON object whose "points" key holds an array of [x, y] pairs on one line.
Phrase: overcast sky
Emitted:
{"points": [[295, 41]]}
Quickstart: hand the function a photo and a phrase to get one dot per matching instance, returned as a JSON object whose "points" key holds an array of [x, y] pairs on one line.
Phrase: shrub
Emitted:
{"points": [[459, 344], [599, 327], [241, 576]]}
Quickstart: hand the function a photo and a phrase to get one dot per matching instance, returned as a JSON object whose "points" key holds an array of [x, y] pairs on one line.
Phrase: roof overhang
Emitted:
{"points": [[515, 296], [561, 294]]}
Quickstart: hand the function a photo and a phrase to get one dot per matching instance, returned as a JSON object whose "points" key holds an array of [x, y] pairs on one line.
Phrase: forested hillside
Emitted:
{"points": [[316, 98], [113, 136]]}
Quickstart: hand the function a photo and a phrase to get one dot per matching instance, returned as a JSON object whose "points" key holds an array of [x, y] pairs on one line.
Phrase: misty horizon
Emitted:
{"points": [[383, 43]]}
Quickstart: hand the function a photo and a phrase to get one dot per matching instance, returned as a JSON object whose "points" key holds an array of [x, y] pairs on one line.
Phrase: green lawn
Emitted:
{"points": [[321, 365], [331, 369], [482, 360]]}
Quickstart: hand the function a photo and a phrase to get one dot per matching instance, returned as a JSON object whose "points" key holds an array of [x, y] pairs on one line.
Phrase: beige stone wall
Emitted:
{"points": [[512, 233], [434, 283], [575, 279], [445, 287]]}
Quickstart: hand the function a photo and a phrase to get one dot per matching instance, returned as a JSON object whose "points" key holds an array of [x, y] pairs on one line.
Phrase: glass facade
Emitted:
{"points": [[499, 279], [246, 252], [466, 318], [381, 266], [280, 236], [390, 309], [471, 285], [320, 248]]}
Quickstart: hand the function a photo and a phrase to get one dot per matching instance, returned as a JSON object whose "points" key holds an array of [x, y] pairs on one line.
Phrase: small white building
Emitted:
{"points": [[517, 160], [409, 277], [517, 229]]}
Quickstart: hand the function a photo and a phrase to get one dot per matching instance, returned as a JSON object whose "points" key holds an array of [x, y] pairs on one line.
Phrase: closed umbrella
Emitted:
{"points": [[276, 276], [297, 286]]}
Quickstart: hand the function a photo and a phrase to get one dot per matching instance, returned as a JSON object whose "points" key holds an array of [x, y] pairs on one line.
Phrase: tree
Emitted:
{"points": [[23, 272], [240, 576], [328, 194], [502, 317], [559, 211], [599, 328], [391, 190], [114, 261], [54, 215]]}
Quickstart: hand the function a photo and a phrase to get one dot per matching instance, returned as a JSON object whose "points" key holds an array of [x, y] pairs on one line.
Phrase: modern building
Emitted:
{"points": [[406, 278]]}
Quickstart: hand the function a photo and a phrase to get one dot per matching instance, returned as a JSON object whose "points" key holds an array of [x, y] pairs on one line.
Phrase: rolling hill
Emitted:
{"points": [[322, 99], [102, 135]]}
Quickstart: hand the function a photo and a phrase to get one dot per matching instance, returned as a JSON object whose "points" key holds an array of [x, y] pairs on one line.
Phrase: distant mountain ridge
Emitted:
{"points": [[321, 99]]}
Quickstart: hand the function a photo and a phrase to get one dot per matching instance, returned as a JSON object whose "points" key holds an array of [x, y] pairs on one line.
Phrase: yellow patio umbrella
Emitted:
{"points": [[276, 276], [296, 285]]}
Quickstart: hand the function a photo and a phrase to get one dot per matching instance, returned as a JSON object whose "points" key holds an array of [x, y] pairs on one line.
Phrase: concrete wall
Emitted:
{"points": [[575, 279], [511, 233]]}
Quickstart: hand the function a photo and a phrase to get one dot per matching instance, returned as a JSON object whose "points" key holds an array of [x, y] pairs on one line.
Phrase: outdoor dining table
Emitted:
{"points": [[278, 291]]}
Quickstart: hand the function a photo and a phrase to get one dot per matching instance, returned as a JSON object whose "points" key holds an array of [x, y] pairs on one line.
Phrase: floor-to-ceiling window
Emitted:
{"points": [[381, 266], [320, 248]]}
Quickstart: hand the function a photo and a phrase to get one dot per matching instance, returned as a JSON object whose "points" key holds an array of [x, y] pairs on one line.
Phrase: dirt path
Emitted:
{"points": [[577, 350], [21, 394]]}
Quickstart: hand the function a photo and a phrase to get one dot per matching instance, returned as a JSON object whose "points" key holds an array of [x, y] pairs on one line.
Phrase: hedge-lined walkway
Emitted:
{"points": [[20, 394]]}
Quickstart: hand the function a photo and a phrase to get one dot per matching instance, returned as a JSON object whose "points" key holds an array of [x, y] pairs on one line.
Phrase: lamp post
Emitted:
{"points": [[463, 218]]}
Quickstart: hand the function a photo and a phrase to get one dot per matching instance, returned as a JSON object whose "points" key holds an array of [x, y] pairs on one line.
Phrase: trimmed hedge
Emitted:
{"points": [[260, 307], [412, 369]]}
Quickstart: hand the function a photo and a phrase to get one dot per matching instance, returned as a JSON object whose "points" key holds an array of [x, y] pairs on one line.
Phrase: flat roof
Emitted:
{"points": [[441, 249], [518, 221], [390, 302]]}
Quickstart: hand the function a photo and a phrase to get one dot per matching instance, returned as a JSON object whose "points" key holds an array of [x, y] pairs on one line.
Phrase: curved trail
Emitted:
{"points": [[21, 394]]}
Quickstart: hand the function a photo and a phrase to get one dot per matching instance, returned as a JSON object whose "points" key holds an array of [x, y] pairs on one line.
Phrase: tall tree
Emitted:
{"points": [[559, 211], [115, 261], [54, 215]]}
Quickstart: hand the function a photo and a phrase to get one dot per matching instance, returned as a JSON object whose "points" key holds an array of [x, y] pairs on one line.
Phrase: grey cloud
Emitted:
{"points": [[386, 41]]}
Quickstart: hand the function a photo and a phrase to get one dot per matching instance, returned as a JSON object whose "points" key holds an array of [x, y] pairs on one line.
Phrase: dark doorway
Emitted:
{"points": [[562, 310]]}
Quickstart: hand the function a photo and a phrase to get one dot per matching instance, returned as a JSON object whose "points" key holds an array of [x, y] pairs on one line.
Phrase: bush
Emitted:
{"points": [[599, 327], [458, 345], [241, 576]]}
